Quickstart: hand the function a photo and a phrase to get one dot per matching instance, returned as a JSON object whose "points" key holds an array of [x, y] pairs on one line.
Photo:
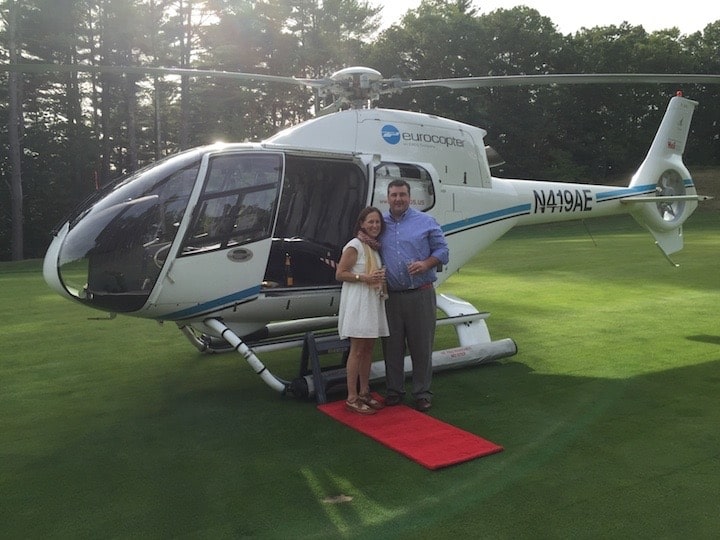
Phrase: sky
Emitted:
{"points": [[688, 15]]}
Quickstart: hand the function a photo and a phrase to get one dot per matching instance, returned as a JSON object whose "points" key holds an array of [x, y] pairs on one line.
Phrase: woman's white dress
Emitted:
{"points": [[362, 310]]}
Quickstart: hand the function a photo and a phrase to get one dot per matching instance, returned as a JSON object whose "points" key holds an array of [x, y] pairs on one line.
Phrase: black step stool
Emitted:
{"points": [[324, 378]]}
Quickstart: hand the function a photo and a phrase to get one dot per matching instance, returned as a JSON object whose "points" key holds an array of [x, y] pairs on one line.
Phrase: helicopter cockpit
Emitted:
{"points": [[119, 240]]}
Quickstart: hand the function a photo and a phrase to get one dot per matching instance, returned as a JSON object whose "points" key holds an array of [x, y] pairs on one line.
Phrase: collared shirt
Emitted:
{"points": [[414, 236]]}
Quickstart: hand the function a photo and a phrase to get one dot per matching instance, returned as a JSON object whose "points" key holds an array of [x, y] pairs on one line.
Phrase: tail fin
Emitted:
{"points": [[666, 193]]}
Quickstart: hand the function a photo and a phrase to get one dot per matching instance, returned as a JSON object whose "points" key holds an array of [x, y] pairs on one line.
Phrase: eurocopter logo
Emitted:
{"points": [[393, 135]]}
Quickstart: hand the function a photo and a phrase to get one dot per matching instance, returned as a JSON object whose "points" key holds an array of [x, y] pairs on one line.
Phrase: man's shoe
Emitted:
{"points": [[392, 400], [423, 405]]}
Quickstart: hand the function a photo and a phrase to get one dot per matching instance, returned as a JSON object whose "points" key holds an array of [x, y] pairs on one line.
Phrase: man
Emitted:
{"points": [[412, 246]]}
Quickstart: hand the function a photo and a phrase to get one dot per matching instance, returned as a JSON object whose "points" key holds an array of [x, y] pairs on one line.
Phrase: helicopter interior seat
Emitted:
{"points": [[287, 243], [316, 214], [344, 209], [311, 261]]}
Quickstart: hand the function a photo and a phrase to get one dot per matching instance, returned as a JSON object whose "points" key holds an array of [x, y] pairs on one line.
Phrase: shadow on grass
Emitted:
{"points": [[585, 457], [706, 339]]}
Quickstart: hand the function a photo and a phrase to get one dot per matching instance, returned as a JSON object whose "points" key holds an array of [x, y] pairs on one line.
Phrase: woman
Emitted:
{"points": [[362, 306]]}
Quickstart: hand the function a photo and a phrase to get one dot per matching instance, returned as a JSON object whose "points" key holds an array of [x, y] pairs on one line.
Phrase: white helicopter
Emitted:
{"points": [[237, 243]]}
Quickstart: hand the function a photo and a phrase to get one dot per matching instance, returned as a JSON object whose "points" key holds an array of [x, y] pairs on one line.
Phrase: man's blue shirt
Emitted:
{"points": [[415, 236]]}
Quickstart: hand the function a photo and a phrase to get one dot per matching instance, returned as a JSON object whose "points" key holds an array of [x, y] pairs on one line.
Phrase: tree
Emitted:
{"points": [[69, 132], [444, 39], [703, 48], [609, 127], [15, 122]]}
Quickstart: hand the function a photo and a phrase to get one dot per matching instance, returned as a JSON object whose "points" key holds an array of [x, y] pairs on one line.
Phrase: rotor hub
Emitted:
{"points": [[355, 85], [669, 184]]}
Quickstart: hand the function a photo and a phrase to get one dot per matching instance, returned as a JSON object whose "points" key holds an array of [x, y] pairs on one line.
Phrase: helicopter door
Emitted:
{"points": [[227, 243]]}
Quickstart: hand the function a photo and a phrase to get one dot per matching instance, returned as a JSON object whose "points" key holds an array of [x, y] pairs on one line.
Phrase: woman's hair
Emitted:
{"points": [[365, 212]]}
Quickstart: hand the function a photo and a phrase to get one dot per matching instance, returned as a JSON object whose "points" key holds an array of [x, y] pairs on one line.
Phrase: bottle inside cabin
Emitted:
{"points": [[289, 281]]}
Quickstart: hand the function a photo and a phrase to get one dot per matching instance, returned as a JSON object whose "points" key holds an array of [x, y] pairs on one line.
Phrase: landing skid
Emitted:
{"points": [[475, 346]]}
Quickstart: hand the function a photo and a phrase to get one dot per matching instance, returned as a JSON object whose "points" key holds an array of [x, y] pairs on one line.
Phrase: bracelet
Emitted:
{"points": [[357, 277]]}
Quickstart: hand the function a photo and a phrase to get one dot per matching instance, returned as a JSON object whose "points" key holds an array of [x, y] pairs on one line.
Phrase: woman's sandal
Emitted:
{"points": [[358, 406], [371, 402]]}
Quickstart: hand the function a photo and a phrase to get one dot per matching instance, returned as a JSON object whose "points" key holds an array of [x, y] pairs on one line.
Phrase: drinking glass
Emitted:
{"points": [[412, 279]]}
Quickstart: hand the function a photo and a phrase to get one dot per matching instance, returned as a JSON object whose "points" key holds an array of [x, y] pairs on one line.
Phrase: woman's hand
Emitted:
{"points": [[377, 276]]}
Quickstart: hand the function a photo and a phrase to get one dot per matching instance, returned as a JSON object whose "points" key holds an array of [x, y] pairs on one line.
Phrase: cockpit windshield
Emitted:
{"points": [[109, 257]]}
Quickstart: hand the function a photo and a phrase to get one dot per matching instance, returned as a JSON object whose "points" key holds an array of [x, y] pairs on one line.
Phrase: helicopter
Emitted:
{"points": [[237, 243]]}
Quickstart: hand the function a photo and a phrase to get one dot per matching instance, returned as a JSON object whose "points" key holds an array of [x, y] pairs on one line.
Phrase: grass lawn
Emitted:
{"points": [[609, 412]]}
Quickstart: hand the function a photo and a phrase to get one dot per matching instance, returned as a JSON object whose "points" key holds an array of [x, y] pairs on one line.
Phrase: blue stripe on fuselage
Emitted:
{"points": [[486, 219], [213, 305]]}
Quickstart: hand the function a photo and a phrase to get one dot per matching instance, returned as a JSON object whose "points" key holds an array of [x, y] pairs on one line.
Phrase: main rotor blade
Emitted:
{"points": [[120, 70], [562, 78], [348, 88]]}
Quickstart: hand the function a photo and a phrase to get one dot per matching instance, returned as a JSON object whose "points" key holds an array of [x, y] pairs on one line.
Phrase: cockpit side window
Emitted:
{"points": [[422, 193], [237, 204]]}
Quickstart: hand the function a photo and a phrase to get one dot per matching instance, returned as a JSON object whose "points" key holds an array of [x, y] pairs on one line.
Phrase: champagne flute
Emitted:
{"points": [[382, 290], [412, 280]]}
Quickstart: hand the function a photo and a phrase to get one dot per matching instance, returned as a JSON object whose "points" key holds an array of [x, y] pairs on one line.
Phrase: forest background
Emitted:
{"points": [[64, 134]]}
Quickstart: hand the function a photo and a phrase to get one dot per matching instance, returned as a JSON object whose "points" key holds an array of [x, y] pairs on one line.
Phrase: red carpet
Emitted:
{"points": [[422, 438]]}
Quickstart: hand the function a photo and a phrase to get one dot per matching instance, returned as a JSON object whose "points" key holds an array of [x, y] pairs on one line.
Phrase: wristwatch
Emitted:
{"points": [[357, 277]]}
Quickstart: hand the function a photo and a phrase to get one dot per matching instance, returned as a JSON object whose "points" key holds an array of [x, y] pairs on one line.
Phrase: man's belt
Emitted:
{"points": [[423, 287]]}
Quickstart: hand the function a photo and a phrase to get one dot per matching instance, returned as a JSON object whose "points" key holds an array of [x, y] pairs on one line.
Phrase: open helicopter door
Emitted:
{"points": [[321, 198]]}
